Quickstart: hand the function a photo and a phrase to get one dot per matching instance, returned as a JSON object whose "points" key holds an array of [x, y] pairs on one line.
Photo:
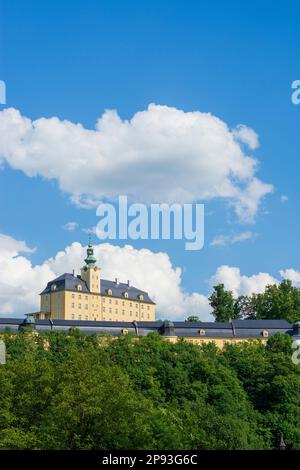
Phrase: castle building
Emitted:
{"points": [[198, 333], [88, 297]]}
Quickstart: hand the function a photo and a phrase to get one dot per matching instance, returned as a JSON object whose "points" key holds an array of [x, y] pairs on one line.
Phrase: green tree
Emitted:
{"points": [[223, 304], [193, 319]]}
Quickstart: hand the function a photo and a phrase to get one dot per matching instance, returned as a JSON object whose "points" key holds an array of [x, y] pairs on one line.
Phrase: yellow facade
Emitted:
{"points": [[219, 342], [89, 300]]}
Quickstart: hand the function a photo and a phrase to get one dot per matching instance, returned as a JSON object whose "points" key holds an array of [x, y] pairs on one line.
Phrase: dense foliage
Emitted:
{"points": [[75, 391], [280, 301]]}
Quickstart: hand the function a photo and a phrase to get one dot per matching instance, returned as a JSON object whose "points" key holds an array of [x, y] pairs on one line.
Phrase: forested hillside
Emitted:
{"points": [[74, 391]]}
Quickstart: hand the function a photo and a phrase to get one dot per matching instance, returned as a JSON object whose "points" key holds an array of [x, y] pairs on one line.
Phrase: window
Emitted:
{"points": [[148, 316], [148, 308], [110, 301], [103, 299], [73, 296], [141, 297], [123, 303], [123, 312], [116, 310], [130, 305], [130, 313], [116, 302], [79, 297], [142, 306], [136, 305], [142, 314], [103, 309], [265, 333], [79, 287], [202, 332], [110, 310], [125, 295], [73, 305], [86, 297], [79, 305], [109, 291], [136, 314], [86, 306], [53, 287], [86, 317], [79, 317], [73, 316]]}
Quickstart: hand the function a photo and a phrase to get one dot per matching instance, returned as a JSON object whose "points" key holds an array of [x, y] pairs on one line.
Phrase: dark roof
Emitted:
{"points": [[267, 324], [242, 328], [66, 282], [70, 282]]}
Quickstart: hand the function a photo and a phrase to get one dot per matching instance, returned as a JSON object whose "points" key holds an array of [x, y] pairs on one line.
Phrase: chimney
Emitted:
{"points": [[128, 283], [116, 281], [74, 272]]}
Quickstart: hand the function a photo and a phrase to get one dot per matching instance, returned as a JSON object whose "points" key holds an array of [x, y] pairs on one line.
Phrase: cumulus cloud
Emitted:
{"points": [[247, 136], [240, 284], [141, 157], [21, 282], [70, 226], [292, 275], [223, 240]]}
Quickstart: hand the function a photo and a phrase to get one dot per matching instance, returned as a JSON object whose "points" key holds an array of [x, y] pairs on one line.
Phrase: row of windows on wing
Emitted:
{"points": [[110, 318], [108, 291], [86, 306], [263, 333]]}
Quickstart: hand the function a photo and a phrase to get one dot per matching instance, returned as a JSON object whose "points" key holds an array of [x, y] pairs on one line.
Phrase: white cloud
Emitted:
{"points": [[284, 199], [247, 136], [292, 275], [21, 282], [140, 158], [223, 240], [240, 284], [90, 230], [70, 226]]}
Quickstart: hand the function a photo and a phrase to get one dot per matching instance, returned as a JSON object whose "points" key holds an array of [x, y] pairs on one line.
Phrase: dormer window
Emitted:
{"points": [[265, 333], [202, 332], [109, 291], [53, 287], [79, 287], [125, 295], [141, 297]]}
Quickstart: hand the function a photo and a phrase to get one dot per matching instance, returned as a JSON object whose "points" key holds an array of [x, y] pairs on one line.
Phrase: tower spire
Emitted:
{"points": [[90, 260]]}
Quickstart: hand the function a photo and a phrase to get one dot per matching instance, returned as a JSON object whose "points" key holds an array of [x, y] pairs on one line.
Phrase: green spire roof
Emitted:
{"points": [[90, 260]]}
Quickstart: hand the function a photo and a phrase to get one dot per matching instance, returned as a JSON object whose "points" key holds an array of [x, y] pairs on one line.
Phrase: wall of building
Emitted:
{"points": [[219, 342], [67, 305]]}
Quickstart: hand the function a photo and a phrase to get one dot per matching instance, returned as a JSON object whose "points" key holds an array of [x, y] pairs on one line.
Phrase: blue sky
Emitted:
{"points": [[235, 60]]}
